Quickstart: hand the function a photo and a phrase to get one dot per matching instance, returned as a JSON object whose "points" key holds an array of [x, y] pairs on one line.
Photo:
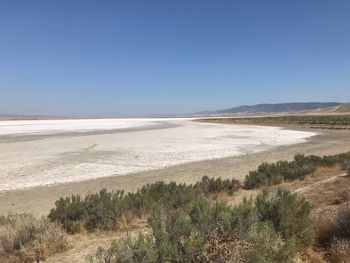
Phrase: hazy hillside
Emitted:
{"points": [[23, 117], [275, 108], [340, 109]]}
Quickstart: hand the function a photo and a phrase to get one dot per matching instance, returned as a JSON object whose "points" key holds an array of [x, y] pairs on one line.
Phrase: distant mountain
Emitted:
{"points": [[274, 108], [24, 117]]}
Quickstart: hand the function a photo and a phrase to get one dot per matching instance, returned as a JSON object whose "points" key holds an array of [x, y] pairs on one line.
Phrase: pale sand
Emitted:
{"points": [[39, 200]]}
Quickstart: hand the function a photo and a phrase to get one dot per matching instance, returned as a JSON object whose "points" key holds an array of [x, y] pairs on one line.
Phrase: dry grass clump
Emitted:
{"points": [[340, 251], [343, 221], [343, 196], [24, 238], [313, 256], [326, 229], [334, 234]]}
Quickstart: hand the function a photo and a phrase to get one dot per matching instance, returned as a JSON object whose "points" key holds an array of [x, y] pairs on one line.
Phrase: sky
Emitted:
{"points": [[128, 57]]}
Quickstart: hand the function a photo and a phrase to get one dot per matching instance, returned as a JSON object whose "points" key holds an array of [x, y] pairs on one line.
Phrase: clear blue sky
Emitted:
{"points": [[109, 58]]}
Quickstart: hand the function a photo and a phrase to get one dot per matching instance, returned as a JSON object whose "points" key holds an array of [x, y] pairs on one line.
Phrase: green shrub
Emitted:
{"points": [[221, 221], [171, 195], [24, 238], [127, 251], [217, 185], [244, 217], [185, 240], [100, 210], [269, 246], [104, 210], [211, 219], [173, 239], [289, 214], [275, 228]]}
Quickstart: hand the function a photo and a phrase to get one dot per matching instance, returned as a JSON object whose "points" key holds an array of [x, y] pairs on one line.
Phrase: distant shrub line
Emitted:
{"points": [[333, 121], [107, 210], [269, 174]]}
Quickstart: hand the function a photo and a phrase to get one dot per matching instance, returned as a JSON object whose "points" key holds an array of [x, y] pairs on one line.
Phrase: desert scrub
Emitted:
{"points": [[269, 174], [220, 221], [269, 246], [217, 185], [24, 238], [212, 231], [105, 210], [126, 250], [289, 214]]}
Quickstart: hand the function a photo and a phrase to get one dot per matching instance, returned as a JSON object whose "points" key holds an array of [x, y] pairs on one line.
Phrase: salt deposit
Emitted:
{"points": [[155, 144]]}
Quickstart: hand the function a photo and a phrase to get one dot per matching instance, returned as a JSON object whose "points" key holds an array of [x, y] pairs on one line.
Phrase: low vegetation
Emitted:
{"points": [[108, 210], [26, 239], [253, 232], [269, 174], [333, 234], [187, 223], [312, 121]]}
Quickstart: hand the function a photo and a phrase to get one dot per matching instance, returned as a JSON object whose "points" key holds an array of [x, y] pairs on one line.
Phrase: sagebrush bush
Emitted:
{"points": [[216, 185], [104, 210], [289, 214], [221, 221], [24, 238], [210, 219], [127, 250], [214, 230], [269, 246]]}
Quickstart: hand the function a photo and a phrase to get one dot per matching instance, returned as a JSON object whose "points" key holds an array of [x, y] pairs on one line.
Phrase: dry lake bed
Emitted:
{"points": [[36, 153], [41, 160]]}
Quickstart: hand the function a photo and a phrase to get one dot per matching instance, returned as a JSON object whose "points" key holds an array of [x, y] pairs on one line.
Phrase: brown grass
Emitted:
{"points": [[343, 196], [26, 239], [313, 256], [325, 187], [340, 251], [326, 228], [343, 221]]}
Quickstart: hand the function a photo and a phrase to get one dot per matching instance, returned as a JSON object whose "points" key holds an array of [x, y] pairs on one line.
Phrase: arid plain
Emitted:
{"points": [[44, 160]]}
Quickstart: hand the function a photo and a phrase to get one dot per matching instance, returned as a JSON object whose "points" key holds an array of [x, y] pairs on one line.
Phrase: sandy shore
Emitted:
{"points": [[39, 200]]}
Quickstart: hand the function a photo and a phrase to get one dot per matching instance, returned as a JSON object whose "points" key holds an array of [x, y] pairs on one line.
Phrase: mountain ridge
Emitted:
{"points": [[274, 108]]}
